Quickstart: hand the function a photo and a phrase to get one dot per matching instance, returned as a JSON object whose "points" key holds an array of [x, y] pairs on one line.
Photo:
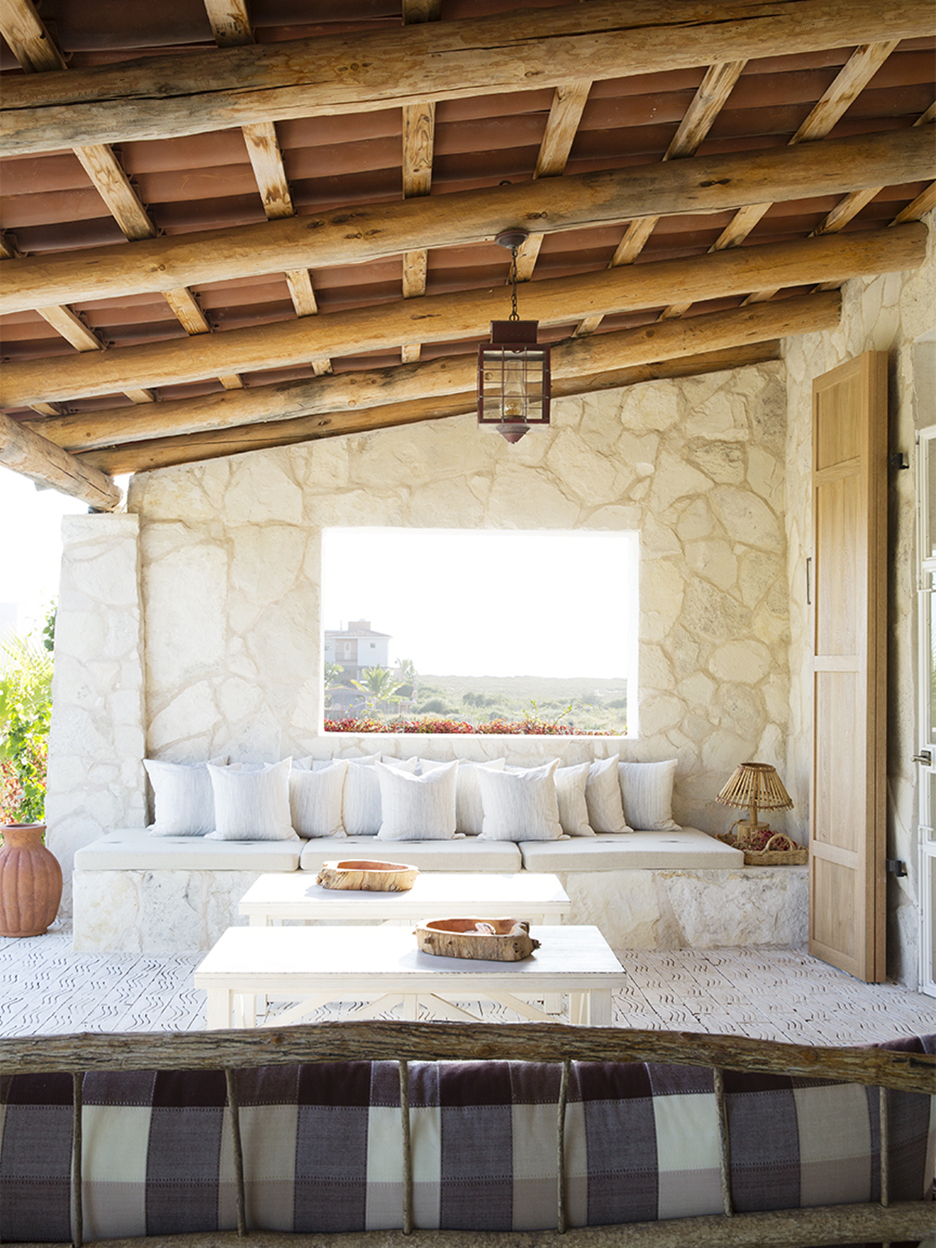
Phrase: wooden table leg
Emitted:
{"points": [[218, 1009], [598, 1007]]}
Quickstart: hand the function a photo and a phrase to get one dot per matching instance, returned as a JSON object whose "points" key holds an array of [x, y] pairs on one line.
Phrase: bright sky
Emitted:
{"points": [[31, 546], [489, 603]]}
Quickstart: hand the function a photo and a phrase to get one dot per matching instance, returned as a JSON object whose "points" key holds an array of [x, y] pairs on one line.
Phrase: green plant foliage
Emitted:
{"points": [[378, 686], [25, 711]]}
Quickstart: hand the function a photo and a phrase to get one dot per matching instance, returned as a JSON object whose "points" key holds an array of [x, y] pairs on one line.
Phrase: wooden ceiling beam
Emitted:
{"points": [[166, 452], [163, 97], [230, 22], [33, 456], [30, 38], [464, 315], [562, 124], [704, 184], [850, 81], [708, 101], [27, 37], [418, 151], [355, 391]]}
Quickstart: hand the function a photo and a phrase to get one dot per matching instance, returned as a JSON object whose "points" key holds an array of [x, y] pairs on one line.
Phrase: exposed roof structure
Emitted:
{"points": [[231, 224]]}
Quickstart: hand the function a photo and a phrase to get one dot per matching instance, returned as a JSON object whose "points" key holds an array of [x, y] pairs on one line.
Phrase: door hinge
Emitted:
{"points": [[924, 757], [895, 866]]}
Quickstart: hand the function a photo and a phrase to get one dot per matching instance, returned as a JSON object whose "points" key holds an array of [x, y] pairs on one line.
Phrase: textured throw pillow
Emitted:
{"points": [[570, 794], [183, 800], [252, 803], [315, 793], [469, 809], [520, 804], [361, 805], [647, 789], [417, 808], [603, 797]]}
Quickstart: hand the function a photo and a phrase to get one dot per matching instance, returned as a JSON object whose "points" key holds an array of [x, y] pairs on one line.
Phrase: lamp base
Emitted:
{"points": [[746, 833]]}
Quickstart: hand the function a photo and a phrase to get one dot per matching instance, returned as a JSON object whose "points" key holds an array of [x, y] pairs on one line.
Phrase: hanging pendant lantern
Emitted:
{"points": [[513, 369]]}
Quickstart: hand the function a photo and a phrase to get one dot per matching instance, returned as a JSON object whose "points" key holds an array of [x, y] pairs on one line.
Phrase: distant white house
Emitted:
{"points": [[357, 647]]}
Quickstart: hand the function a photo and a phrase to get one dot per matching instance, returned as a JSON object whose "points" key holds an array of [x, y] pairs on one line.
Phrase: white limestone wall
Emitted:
{"points": [[96, 739], [887, 313], [230, 561]]}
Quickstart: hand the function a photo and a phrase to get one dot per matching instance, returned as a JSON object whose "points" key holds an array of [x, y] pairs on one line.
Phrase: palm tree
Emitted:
{"points": [[378, 685], [333, 675]]}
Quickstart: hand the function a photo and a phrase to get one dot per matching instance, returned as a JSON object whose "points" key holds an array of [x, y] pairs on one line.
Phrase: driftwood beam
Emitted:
{"points": [[161, 97], [465, 315], [401, 1041], [452, 375], [48, 465], [216, 443], [703, 185]]}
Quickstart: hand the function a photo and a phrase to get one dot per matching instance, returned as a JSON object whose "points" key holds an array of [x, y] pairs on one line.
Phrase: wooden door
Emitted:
{"points": [[849, 503]]}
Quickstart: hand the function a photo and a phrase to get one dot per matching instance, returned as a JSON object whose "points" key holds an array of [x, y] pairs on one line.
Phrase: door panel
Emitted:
{"points": [[847, 833]]}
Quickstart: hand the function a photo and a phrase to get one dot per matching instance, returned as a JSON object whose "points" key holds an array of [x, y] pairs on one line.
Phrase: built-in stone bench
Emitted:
{"points": [[649, 890]]}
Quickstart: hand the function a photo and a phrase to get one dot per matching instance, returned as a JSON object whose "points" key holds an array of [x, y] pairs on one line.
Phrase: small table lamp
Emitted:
{"points": [[757, 786]]}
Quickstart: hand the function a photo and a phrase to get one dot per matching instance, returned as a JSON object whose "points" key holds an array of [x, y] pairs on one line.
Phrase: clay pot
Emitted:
{"points": [[30, 881]]}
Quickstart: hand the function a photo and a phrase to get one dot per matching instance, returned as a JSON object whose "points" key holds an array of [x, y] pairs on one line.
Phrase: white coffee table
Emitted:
{"points": [[437, 894], [316, 965]]}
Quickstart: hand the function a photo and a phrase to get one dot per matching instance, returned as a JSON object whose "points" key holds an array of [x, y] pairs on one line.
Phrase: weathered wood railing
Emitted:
{"points": [[404, 1042]]}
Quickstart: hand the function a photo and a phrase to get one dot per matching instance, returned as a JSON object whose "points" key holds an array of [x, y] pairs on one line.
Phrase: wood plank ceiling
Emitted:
{"points": [[232, 224]]}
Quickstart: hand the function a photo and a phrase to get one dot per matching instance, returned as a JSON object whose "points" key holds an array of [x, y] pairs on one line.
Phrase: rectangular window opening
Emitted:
{"points": [[480, 631]]}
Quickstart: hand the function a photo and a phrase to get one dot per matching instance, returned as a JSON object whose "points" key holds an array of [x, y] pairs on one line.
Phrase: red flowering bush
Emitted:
{"points": [[494, 727]]}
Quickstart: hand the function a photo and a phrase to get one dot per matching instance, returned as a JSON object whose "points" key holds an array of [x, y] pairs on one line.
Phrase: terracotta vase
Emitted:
{"points": [[30, 881]]}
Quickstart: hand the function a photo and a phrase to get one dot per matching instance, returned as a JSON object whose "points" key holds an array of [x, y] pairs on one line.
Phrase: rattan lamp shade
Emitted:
{"points": [[757, 786]]}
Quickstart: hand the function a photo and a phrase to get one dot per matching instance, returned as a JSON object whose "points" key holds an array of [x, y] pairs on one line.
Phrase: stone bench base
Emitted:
{"points": [[166, 911]]}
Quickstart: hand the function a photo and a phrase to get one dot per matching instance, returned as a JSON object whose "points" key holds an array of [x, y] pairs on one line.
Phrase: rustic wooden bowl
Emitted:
{"points": [[492, 940], [367, 875]]}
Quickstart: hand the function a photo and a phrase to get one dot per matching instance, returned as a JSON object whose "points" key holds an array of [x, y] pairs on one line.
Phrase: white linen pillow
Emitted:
{"points": [[520, 804], [361, 805], [252, 803], [603, 797], [469, 811], [469, 808], [647, 790], [570, 794], [417, 808], [315, 794], [183, 800]]}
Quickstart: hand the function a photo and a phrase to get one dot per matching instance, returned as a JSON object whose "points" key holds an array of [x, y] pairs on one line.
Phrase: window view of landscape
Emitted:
{"points": [[439, 630]]}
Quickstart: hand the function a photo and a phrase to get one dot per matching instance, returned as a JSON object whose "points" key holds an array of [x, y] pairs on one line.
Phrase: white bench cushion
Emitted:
{"points": [[631, 851], [133, 849], [461, 854]]}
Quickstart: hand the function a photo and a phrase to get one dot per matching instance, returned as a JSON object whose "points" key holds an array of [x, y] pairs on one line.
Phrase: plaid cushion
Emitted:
{"points": [[322, 1147]]}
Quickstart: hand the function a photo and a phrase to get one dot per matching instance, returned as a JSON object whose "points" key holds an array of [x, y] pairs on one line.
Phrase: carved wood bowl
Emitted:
{"points": [[367, 875], [492, 940]]}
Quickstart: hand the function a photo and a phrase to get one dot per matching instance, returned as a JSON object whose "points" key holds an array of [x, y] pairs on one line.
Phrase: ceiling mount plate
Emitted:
{"points": [[511, 238]]}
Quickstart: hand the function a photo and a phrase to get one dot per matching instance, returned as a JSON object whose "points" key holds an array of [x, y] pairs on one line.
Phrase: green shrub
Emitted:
{"points": [[25, 711]]}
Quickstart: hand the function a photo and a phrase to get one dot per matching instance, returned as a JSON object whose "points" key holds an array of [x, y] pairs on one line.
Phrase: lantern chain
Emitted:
{"points": [[514, 314]]}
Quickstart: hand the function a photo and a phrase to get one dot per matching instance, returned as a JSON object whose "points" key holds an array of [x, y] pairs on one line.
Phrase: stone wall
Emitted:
{"points": [[96, 741], [888, 313], [230, 556]]}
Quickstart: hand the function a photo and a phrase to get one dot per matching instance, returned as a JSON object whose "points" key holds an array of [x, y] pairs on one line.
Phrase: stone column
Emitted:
{"points": [[96, 739]]}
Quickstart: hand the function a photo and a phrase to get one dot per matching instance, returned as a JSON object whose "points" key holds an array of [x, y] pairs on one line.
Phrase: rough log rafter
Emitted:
{"points": [[704, 184], [356, 391], [214, 444], [164, 96], [465, 315]]}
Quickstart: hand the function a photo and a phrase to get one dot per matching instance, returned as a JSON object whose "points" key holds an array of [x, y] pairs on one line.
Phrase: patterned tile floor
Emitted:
{"points": [[767, 993]]}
